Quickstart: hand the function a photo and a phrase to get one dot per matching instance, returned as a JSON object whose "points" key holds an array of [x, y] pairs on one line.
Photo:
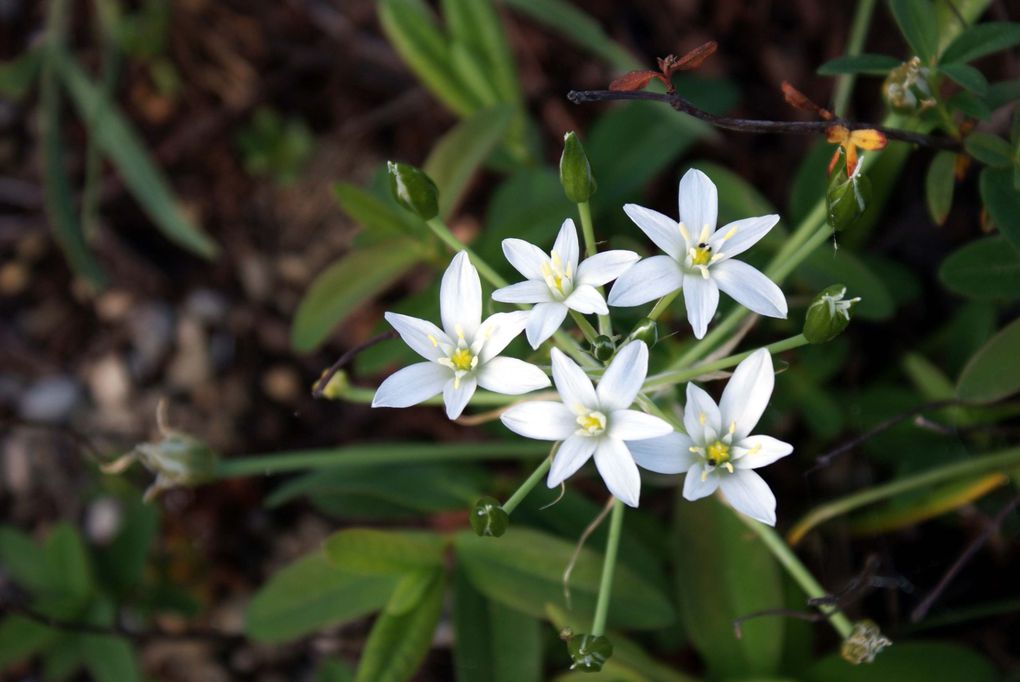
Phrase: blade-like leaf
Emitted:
{"points": [[981, 39], [938, 186], [869, 64], [476, 24], [377, 552], [917, 22], [986, 269], [1002, 201], [966, 76], [993, 373]]}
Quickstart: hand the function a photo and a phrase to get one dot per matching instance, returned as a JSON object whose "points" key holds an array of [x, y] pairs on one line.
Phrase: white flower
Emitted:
{"points": [[593, 421], [557, 282], [699, 258], [462, 357], [718, 450]]}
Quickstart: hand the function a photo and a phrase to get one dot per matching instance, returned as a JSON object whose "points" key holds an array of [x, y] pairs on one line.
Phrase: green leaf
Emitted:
{"points": [[724, 572], [1002, 93], [410, 590], [981, 39], [121, 563], [971, 105], [824, 266], [985, 269], [1002, 201], [869, 64], [377, 217], [21, 638], [916, 19], [939, 184], [334, 671], [524, 570], [966, 77], [909, 662], [18, 75], [23, 560], [310, 594], [122, 145], [397, 644], [993, 373], [346, 284], [108, 659], [459, 154], [378, 552], [70, 582], [476, 24]]}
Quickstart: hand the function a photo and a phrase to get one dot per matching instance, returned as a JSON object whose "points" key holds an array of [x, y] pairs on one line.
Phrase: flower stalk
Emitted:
{"points": [[529, 483], [598, 626]]}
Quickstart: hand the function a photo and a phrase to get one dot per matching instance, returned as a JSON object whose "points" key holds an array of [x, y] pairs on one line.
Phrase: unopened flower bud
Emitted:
{"points": [[906, 89], [413, 189], [575, 171], [864, 643], [488, 519], [828, 315], [603, 348], [589, 652], [646, 330], [336, 386], [846, 196]]}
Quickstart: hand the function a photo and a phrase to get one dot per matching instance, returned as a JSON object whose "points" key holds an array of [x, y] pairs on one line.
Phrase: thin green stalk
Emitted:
{"points": [[662, 304], [590, 249], [858, 33], [679, 376], [783, 269], [585, 326], [650, 407], [104, 22], [378, 454], [540, 471], [785, 556], [598, 626], [1006, 460]]}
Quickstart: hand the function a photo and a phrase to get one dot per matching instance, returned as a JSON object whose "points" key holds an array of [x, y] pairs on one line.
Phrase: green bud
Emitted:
{"points": [[336, 386], [906, 89], [488, 519], [864, 643], [575, 172], [646, 330], [413, 190], [589, 652], [828, 315], [846, 196], [603, 348]]}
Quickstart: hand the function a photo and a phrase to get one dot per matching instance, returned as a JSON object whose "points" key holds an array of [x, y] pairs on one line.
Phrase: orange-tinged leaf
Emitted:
{"points": [[799, 100], [635, 80], [837, 133], [868, 139], [691, 60]]}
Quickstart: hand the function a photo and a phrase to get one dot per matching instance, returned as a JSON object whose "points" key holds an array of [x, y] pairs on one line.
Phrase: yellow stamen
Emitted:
{"points": [[460, 331], [701, 418], [462, 359], [704, 233], [683, 233], [433, 340], [718, 453], [592, 423], [729, 234]]}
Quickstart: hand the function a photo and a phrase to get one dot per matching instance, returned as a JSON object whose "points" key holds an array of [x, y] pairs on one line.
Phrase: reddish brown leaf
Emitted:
{"points": [[635, 80], [799, 100], [689, 61]]}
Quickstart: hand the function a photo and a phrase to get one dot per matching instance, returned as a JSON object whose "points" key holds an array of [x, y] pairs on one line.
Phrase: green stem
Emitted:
{"points": [[858, 32], [679, 376], [1005, 460], [380, 454], [783, 269], [662, 304], [785, 556], [585, 326], [590, 249], [598, 626], [540, 471]]}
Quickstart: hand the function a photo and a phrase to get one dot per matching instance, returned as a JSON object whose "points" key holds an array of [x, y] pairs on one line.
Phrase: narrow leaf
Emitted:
{"points": [[917, 22], [938, 186], [981, 39], [476, 24], [966, 77]]}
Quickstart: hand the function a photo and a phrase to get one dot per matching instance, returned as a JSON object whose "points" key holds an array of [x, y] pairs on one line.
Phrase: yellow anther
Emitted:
{"points": [[683, 233], [433, 340], [729, 234], [704, 233], [701, 418], [460, 331], [701, 254], [592, 423], [727, 466], [733, 427], [462, 359], [704, 475], [755, 449], [718, 453]]}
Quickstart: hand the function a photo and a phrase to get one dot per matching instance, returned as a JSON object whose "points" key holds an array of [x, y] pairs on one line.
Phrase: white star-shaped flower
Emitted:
{"points": [[465, 355], [593, 421], [557, 282], [699, 259], [718, 450]]}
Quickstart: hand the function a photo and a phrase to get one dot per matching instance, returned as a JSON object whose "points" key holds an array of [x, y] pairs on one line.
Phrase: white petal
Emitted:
{"points": [[632, 425], [570, 456], [618, 470], [540, 419], [511, 376], [528, 291], [572, 383], [699, 203], [661, 229], [566, 244], [701, 296], [669, 454], [460, 297], [701, 416], [543, 321], [749, 494], [646, 281], [411, 385], [697, 484], [604, 267], [762, 451], [586, 300], [747, 394], [740, 235], [748, 287], [623, 378], [456, 395], [416, 333], [526, 258], [498, 331]]}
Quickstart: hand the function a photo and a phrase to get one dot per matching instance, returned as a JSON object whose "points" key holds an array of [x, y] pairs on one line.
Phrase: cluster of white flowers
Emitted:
{"points": [[716, 452]]}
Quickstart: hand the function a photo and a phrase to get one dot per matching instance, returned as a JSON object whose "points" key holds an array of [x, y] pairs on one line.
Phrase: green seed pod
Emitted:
{"points": [[828, 315], [589, 652], [906, 89], [603, 348], [575, 172], [846, 196], [488, 518], [646, 330], [413, 190]]}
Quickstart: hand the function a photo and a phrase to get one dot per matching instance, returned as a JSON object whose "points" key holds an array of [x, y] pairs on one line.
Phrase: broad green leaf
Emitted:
{"points": [[1003, 202], [124, 148], [459, 154], [346, 284], [410, 589], [993, 373], [334, 671], [18, 75], [21, 638], [378, 552], [826, 266], [63, 658], [984, 269], [916, 19], [397, 644], [939, 183], [108, 659], [70, 573], [990, 150], [723, 572], [971, 105], [909, 662], [966, 76], [869, 64], [121, 563], [476, 24], [379, 219], [23, 560], [1002, 93], [981, 39], [524, 570], [311, 594]]}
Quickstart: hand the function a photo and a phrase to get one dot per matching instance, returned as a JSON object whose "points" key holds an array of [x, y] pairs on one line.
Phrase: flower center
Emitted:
{"points": [[462, 359], [717, 453], [558, 275], [701, 254], [592, 423]]}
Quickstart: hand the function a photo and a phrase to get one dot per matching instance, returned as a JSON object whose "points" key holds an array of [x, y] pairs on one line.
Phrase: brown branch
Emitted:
{"points": [[320, 385], [747, 125]]}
